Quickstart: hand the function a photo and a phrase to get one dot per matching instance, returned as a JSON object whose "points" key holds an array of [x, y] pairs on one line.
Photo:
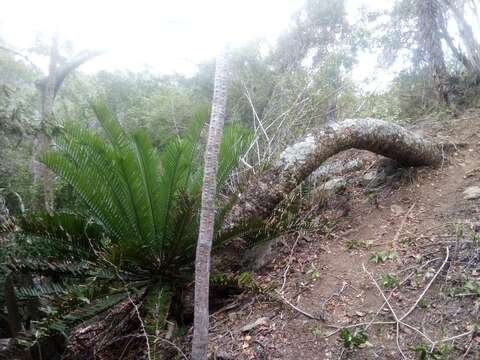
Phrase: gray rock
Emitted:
{"points": [[471, 193], [260, 255], [263, 321], [373, 179], [14, 204], [397, 210], [335, 185], [297, 153]]}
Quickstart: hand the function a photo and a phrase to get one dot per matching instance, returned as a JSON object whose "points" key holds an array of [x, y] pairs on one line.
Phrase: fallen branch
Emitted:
{"points": [[297, 162], [282, 298], [428, 286], [399, 231], [397, 320], [290, 259]]}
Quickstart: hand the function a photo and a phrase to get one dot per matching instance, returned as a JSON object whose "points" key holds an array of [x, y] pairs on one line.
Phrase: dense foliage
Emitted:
{"points": [[142, 207], [128, 171]]}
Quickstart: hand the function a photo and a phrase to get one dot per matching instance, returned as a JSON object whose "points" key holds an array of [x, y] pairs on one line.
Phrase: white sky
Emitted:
{"points": [[167, 36]]}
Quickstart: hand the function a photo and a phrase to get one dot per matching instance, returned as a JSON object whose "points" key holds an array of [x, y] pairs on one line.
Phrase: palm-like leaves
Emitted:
{"points": [[148, 203], [143, 220], [144, 207]]}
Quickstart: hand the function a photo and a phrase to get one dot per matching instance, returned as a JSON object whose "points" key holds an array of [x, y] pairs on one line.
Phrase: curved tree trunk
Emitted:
{"points": [[298, 161], [49, 87]]}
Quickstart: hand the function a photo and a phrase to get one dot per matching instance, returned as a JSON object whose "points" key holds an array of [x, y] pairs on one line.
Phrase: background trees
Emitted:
{"points": [[279, 92]]}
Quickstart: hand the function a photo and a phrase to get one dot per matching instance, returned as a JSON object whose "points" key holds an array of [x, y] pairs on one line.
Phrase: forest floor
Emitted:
{"points": [[391, 242]]}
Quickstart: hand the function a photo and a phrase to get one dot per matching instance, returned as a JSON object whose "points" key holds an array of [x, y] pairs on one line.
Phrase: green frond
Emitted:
{"points": [[149, 173], [90, 152], [40, 290], [94, 187], [174, 169], [52, 268], [99, 306], [115, 134], [158, 301], [74, 232], [235, 141]]}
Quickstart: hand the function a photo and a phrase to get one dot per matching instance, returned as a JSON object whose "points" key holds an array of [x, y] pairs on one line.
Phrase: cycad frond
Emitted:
{"points": [[143, 221], [40, 290], [71, 232], [235, 140]]}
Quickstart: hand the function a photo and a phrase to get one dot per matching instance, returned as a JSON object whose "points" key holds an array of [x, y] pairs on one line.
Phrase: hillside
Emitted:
{"points": [[400, 231]]}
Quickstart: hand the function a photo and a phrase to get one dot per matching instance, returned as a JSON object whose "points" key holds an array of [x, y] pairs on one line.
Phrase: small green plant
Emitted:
{"points": [[423, 304], [353, 244], [442, 352], [389, 281], [422, 351], [245, 279], [471, 287], [316, 331], [475, 237], [371, 198], [314, 273], [459, 231], [382, 257], [353, 340]]}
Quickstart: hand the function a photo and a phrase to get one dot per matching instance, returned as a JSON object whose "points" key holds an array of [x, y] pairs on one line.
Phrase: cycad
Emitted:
{"points": [[142, 225]]}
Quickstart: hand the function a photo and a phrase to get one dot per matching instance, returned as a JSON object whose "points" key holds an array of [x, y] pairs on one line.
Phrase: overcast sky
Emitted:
{"points": [[165, 35], [168, 35]]}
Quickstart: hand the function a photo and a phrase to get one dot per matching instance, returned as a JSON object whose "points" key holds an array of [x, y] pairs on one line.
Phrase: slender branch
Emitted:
{"points": [[290, 258], [303, 312], [19, 54], [428, 286]]}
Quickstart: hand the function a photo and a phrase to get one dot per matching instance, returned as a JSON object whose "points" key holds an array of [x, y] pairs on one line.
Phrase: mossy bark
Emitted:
{"points": [[263, 194]]}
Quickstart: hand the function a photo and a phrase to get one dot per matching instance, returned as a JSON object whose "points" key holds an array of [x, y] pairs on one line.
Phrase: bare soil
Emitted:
{"points": [[399, 234]]}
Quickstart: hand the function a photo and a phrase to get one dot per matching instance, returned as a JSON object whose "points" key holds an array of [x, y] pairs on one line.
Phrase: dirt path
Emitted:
{"points": [[399, 236]]}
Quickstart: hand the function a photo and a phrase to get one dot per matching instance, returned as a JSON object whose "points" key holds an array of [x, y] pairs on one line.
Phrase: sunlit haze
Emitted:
{"points": [[167, 36], [164, 36]]}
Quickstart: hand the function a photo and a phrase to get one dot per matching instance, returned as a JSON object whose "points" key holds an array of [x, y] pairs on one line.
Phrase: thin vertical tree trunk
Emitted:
{"points": [[207, 213], [47, 117]]}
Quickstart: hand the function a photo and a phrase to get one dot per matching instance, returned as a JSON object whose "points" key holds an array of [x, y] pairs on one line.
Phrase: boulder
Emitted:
{"points": [[14, 203], [471, 193], [335, 185], [260, 255], [373, 179]]}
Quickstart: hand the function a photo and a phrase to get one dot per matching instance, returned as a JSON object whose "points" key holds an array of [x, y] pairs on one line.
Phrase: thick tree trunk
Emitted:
{"points": [[467, 36], [14, 318], [430, 18], [300, 160], [207, 213], [49, 87]]}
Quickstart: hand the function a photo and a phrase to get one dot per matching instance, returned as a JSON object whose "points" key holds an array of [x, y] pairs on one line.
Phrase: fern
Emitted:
{"points": [[142, 223]]}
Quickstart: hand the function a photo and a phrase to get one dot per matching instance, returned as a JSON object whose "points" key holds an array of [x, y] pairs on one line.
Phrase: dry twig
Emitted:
{"points": [[282, 298]]}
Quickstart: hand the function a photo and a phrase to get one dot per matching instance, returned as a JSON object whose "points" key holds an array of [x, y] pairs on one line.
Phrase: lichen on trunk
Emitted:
{"points": [[264, 193]]}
